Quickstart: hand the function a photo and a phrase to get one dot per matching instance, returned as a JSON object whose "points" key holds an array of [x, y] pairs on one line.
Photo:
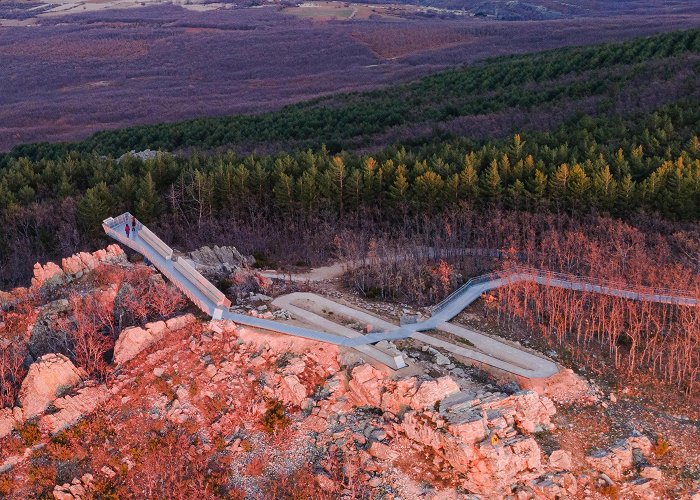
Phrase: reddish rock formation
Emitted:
{"points": [[478, 436], [48, 375], [134, 340], [72, 408], [75, 265], [616, 460]]}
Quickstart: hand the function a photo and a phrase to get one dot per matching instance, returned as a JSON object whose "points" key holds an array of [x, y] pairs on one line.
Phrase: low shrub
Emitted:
{"points": [[275, 417]]}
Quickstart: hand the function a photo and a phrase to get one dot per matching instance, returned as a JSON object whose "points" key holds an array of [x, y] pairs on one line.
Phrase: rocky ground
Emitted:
{"points": [[191, 408]]}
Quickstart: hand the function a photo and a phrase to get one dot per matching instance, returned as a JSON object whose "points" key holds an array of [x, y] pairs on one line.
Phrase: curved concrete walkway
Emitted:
{"points": [[486, 350], [199, 290]]}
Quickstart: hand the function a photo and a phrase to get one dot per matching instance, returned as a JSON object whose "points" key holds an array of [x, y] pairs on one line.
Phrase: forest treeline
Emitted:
{"points": [[637, 75], [619, 166]]}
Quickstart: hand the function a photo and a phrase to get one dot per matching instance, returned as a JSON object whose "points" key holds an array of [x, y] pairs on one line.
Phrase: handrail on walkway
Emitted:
{"points": [[516, 274], [201, 292]]}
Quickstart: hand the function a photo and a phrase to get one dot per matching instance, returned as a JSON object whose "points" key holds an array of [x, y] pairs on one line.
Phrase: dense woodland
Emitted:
{"points": [[620, 166]]}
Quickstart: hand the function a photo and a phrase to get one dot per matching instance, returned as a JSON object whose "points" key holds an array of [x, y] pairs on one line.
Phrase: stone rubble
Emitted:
{"points": [[77, 489]]}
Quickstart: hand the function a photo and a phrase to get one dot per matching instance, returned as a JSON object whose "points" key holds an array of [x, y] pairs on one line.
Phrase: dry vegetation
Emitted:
{"points": [[118, 68]]}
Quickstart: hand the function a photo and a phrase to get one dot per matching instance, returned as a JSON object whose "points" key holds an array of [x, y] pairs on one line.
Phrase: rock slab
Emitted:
{"points": [[49, 375]]}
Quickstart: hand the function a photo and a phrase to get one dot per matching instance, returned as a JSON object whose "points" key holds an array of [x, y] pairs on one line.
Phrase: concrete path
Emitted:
{"points": [[212, 301], [486, 350]]}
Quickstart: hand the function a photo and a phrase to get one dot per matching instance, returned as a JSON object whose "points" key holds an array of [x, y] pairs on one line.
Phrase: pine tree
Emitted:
{"points": [[517, 195], [625, 195], [284, 192], [558, 184], [95, 206], [491, 183], [7, 199], [429, 190], [148, 202], [307, 189], [399, 188], [518, 146], [577, 187], [453, 187], [355, 189], [468, 183], [65, 187], [258, 183], [537, 185], [337, 175], [604, 188], [369, 179]]}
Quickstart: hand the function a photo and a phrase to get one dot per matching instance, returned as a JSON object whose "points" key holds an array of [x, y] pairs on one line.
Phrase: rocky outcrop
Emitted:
{"points": [[619, 458], [225, 258], [49, 375], [49, 273], [75, 265], [71, 409], [482, 435], [132, 341], [44, 337]]}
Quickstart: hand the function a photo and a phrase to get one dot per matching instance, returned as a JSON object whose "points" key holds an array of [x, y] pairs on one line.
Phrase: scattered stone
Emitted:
{"points": [[560, 459], [375, 482], [442, 360], [651, 472], [619, 458]]}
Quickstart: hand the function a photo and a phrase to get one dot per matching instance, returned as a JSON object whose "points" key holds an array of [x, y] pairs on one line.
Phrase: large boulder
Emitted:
{"points": [[620, 457], [47, 377], [70, 409], [134, 340], [218, 258]]}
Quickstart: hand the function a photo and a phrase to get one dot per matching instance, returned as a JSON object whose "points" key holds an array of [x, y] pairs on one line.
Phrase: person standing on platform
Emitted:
{"points": [[127, 230]]}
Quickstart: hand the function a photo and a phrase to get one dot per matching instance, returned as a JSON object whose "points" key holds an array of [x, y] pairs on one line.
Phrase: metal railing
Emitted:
{"points": [[521, 273], [621, 285]]}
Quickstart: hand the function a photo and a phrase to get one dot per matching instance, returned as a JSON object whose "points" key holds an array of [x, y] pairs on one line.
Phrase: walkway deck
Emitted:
{"points": [[199, 290]]}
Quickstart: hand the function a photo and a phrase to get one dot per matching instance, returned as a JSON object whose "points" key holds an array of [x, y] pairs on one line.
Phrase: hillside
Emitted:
{"points": [[531, 92], [152, 400], [76, 68]]}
